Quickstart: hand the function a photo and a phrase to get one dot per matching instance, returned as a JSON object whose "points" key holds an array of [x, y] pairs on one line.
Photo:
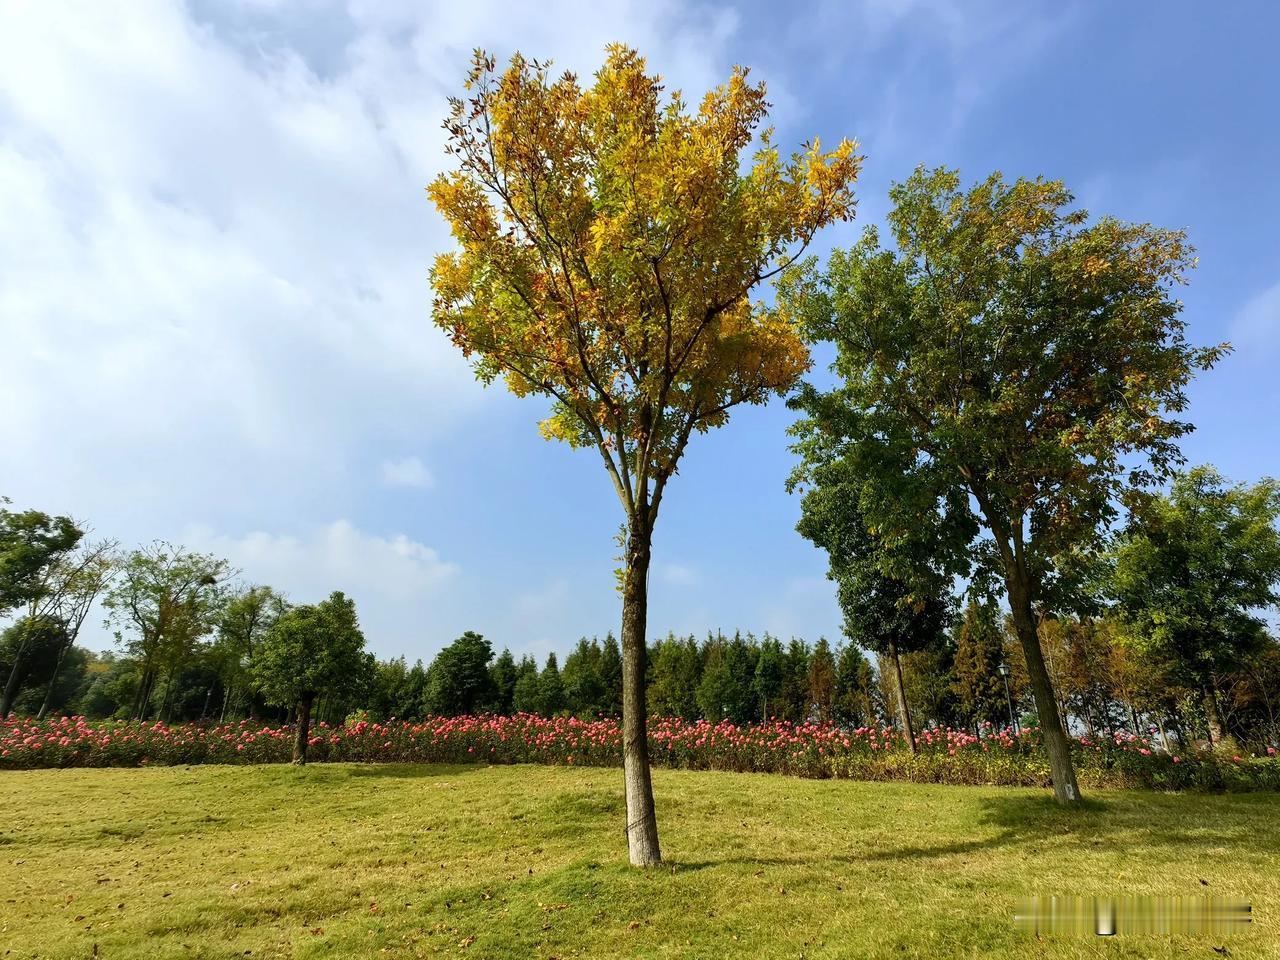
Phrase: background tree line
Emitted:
{"points": [[1169, 631]]}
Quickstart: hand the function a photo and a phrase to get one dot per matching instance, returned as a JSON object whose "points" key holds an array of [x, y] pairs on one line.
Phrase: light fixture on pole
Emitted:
{"points": [[1004, 672]]}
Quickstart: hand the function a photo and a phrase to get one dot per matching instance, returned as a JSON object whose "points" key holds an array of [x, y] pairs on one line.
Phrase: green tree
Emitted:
{"points": [[822, 681], [458, 680], [716, 691], [610, 242], [675, 672], [162, 602], [979, 652], [310, 650], [30, 543], [855, 698], [611, 675], [1193, 570], [504, 675], [1011, 352], [793, 698], [583, 686], [526, 696], [770, 665], [893, 592], [551, 693], [28, 651], [71, 585], [33, 546], [244, 621]]}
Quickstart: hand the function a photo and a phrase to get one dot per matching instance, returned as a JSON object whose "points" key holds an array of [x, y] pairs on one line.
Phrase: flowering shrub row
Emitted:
{"points": [[806, 750]]}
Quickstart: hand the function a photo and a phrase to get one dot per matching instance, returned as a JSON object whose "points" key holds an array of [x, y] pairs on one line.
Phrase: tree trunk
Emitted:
{"points": [[144, 693], [1212, 716], [48, 692], [1164, 737], [1056, 746], [11, 687], [642, 822], [1133, 717], [304, 728], [900, 691]]}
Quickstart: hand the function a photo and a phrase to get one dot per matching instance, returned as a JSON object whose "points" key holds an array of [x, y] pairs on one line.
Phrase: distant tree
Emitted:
{"points": [[242, 625], [551, 694], [928, 676], [611, 675], [583, 686], [30, 544], [33, 547], [458, 681], [610, 243], [162, 602], [526, 696], [894, 594], [979, 652], [769, 674], [28, 650], [70, 586], [1193, 570], [1013, 353], [397, 689], [503, 674], [855, 696], [716, 692], [310, 650], [822, 681], [793, 698], [675, 670]]}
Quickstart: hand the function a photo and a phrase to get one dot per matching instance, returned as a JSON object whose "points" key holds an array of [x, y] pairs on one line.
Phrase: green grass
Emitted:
{"points": [[398, 861]]}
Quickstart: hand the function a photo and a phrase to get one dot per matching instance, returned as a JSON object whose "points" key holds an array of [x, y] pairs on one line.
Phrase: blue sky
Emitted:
{"points": [[215, 315]]}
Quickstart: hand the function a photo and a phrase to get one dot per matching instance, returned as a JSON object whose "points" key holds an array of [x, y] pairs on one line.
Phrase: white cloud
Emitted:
{"points": [[396, 582], [337, 556], [214, 238], [405, 472]]}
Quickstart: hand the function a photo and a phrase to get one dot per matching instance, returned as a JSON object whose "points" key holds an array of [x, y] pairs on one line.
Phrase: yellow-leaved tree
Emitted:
{"points": [[610, 238]]}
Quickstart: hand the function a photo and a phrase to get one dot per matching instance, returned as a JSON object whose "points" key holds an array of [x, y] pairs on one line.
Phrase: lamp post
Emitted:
{"points": [[1004, 671]]}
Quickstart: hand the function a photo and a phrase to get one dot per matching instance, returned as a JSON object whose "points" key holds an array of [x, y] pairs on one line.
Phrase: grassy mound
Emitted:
{"points": [[346, 860]]}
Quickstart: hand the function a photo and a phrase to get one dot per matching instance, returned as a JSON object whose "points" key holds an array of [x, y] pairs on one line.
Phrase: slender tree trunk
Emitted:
{"points": [[1212, 716], [304, 728], [1058, 749], [1164, 737], [15, 676], [900, 691], [208, 696], [144, 693], [1133, 718], [164, 701], [226, 698], [642, 822], [48, 692], [11, 687]]}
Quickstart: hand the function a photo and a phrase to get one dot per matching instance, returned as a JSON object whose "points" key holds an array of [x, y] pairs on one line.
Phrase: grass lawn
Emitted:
{"points": [[399, 861]]}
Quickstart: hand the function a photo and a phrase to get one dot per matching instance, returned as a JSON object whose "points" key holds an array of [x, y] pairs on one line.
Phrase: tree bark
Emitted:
{"points": [[900, 691], [1212, 716], [304, 728], [11, 687], [1056, 746], [642, 822], [48, 691]]}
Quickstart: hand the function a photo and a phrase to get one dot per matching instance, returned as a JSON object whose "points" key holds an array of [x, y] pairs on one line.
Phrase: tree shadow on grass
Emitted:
{"points": [[1192, 826]]}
